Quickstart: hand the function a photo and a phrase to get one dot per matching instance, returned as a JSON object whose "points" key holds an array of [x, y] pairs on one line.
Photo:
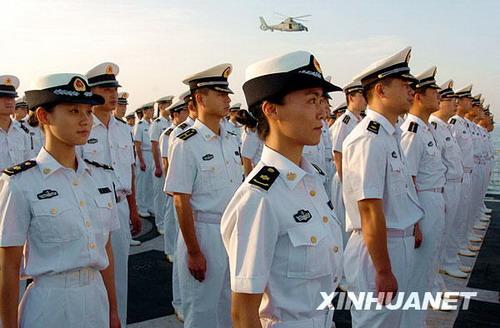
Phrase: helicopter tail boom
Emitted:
{"points": [[263, 24]]}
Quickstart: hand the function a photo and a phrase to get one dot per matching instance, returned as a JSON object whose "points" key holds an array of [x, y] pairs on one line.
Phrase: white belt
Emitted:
{"points": [[457, 180], [397, 233], [438, 190], [316, 322], [70, 279], [207, 217]]}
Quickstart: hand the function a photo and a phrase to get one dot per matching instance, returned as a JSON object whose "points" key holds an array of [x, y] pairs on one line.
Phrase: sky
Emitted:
{"points": [[157, 43]]}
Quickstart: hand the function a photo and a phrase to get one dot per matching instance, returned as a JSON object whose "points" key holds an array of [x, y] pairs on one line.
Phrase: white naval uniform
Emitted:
{"points": [[452, 160], [424, 162], [144, 178], [208, 167], [171, 221], [459, 130], [315, 154], [235, 128], [37, 139], [374, 167], [158, 126], [329, 164], [251, 146], [14, 145], [289, 253], [339, 131], [64, 218], [477, 176], [112, 145]]}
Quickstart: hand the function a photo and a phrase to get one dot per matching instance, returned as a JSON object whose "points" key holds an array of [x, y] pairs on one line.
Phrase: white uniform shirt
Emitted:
{"points": [[450, 150], [158, 127], [341, 129], [141, 134], [290, 253], [459, 130], [64, 216], [15, 145], [316, 154], [251, 146], [374, 166], [235, 128], [113, 146], [37, 139], [327, 140], [423, 157], [206, 166]]}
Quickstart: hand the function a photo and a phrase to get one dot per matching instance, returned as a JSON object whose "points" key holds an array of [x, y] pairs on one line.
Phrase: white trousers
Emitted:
{"points": [[120, 242], [338, 206], [463, 211], [55, 303], [427, 255], [451, 195], [476, 198], [206, 304], [171, 226], [144, 187], [360, 275], [159, 200]]}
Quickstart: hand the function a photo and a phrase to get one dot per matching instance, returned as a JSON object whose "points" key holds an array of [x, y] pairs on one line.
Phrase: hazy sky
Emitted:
{"points": [[158, 43]]}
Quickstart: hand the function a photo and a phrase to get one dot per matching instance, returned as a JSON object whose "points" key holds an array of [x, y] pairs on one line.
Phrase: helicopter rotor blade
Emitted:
{"points": [[302, 16], [279, 14]]}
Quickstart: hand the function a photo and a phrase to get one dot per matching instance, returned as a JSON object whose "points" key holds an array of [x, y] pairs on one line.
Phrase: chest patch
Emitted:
{"points": [[208, 157], [47, 193], [302, 216], [92, 141], [104, 190]]}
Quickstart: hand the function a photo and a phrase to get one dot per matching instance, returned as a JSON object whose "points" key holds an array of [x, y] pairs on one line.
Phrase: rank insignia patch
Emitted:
{"points": [[302, 216], [208, 157], [47, 193]]}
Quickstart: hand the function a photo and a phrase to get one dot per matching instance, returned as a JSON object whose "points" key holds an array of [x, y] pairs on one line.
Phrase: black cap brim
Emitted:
{"points": [[37, 98]]}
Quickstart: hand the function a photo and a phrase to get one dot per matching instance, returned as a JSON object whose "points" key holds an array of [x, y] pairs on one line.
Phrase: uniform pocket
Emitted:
{"points": [[92, 151], [104, 205], [309, 252], [212, 176], [56, 220], [397, 183]]}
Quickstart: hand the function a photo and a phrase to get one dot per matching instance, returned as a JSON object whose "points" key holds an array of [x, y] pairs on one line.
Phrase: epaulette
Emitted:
{"points": [[120, 120], [453, 121], [234, 134], [373, 126], [413, 127], [183, 126], [320, 171], [140, 122], [168, 131], [435, 125], [18, 168], [187, 134], [103, 166], [346, 119], [157, 120], [265, 177], [25, 129]]}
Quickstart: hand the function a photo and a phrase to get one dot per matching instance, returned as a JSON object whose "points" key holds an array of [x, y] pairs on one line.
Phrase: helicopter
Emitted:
{"points": [[290, 24]]}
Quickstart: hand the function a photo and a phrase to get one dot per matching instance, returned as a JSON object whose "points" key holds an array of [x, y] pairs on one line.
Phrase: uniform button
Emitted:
{"points": [[87, 224], [227, 162], [75, 182], [312, 193], [110, 205], [314, 240], [46, 170], [291, 176], [53, 211], [82, 203], [325, 219], [335, 249], [92, 246]]}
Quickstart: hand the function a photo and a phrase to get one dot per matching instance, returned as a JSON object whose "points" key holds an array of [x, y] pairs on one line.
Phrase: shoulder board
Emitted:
{"points": [[120, 120], [187, 134], [265, 177], [183, 126], [140, 122], [13, 170], [435, 125], [104, 166], [168, 131], [346, 119], [373, 126], [157, 120], [320, 171], [234, 134], [413, 127], [453, 121], [25, 129]]}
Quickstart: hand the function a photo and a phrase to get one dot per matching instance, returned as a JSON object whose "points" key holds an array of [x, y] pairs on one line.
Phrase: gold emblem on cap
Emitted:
{"points": [[291, 176], [79, 85], [8, 81], [226, 72], [316, 65], [109, 69]]}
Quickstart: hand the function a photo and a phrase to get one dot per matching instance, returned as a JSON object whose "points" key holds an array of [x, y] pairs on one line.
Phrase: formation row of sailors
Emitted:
{"points": [[274, 204]]}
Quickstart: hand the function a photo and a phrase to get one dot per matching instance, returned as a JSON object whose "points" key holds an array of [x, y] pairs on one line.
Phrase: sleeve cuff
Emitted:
{"points": [[12, 240], [255, 285], [367, 194]]}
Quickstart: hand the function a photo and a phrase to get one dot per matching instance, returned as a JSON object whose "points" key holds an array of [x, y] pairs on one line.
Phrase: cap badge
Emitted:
{"points": [[226, 72], [78, 85], [109, 69], [8, 81], [316, 65]]}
